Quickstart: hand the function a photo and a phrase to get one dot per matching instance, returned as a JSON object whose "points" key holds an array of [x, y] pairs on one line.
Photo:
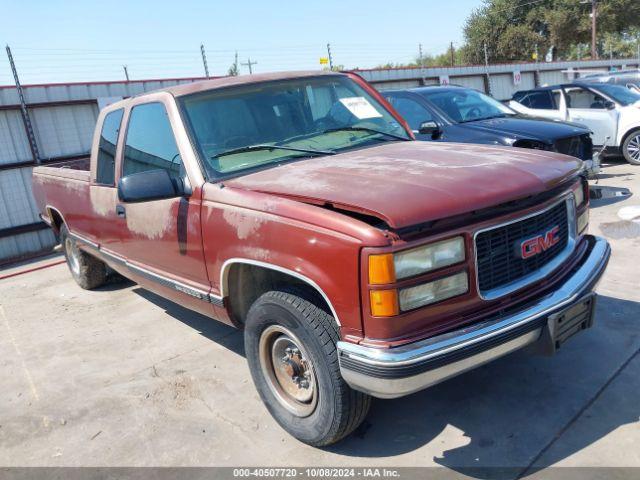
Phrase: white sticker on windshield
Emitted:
{"points": [[360, 107]]}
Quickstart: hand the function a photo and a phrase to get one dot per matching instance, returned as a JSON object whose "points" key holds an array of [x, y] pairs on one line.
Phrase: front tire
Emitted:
{"points": [[87, 271], [290, 345], [631, 147]]}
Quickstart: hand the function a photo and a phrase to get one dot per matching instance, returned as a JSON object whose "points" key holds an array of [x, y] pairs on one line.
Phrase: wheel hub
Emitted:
{"points": [[633, 147], [288, 370]]}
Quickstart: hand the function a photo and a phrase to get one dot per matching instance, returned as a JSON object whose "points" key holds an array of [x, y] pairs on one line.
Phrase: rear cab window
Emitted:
{"points": [[106, 165]]}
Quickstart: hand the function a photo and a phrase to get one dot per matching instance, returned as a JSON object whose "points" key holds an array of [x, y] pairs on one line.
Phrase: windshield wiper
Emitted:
{"points": [[501, 115], [365, 129], [266, 146]]}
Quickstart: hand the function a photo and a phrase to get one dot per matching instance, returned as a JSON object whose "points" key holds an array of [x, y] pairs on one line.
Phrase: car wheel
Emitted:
{"points": [[87, 271], [290, 345], [631, 147]]}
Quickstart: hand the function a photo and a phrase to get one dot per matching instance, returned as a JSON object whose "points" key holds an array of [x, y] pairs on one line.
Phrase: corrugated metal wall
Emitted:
{"points": [[63, 118], [501, 76]]}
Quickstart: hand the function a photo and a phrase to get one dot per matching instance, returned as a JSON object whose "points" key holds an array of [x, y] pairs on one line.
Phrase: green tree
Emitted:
{"points": [[512, 29]]}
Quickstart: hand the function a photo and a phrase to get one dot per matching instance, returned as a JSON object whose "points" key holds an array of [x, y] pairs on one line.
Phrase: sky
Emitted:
{"points": [[71, 41]]}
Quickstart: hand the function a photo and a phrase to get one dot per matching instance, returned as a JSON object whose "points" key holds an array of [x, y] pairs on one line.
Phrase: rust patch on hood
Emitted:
{"points": [[407, 183]]}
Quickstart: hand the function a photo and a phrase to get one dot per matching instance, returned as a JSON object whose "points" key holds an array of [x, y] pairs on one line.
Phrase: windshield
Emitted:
{"points": [[462, 105], [618, 93], [240, 129]]}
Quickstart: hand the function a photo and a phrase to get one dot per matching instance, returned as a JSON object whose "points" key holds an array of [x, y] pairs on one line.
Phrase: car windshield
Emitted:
{"points": [[240, 129], [465, 105], [620, 94]]}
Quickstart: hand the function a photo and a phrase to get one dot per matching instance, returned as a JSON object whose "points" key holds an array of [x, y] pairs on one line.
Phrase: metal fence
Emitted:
{"points": [[63, 117]]}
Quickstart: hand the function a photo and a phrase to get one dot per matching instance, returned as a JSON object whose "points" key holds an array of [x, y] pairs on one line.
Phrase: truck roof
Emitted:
{"points": [[188, 88]]}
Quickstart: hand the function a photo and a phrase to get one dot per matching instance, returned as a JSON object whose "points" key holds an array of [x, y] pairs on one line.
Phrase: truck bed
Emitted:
{"points": [[77, 169], [63, 187]]}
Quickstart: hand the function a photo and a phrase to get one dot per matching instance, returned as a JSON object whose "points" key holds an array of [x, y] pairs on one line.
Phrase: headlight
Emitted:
{"points": [[578, 195], [441, 289], [583, 221], [429, 257]]}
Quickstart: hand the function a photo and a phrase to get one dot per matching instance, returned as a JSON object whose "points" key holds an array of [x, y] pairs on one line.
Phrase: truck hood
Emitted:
{"points": [[408, 183], [522, 126]]}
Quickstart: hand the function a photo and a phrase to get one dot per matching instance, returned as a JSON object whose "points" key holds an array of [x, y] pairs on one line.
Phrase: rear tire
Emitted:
{"points": [[290, 346], [631, 147], [87, 271]]}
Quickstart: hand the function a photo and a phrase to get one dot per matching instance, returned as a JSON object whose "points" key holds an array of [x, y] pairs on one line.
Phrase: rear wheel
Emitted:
{"points": [[87, 271], [290, 345], [631, 147]]}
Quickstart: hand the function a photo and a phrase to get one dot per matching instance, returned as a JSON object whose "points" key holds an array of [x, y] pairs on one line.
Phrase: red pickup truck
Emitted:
{"points": [[358, 261]]}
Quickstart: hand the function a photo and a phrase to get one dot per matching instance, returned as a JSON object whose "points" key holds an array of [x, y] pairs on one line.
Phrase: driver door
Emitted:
{"points": [[160, 240], [590, 109]]}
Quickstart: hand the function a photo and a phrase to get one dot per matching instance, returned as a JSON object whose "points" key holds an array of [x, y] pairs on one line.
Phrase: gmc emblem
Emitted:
{"points": [[540, 243]]}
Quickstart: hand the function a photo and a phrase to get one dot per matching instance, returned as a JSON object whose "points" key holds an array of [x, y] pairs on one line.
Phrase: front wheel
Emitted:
{"points": [[631, 147], [290, 345]]}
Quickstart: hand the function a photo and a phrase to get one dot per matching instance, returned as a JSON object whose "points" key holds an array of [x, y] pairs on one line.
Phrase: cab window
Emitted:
{"points": [[150, 143], [106, 164]]}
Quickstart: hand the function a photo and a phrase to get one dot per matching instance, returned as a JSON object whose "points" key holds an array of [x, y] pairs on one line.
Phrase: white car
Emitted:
{"points": [[611, 112]]}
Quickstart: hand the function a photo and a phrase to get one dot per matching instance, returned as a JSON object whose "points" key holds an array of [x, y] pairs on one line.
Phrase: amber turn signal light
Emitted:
{"points": [[381, 269], [384, 303]]}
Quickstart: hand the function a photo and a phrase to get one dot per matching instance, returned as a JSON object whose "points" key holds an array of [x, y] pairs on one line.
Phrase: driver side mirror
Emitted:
{"points": [[609, 105], [429, 128], [149, 185]]}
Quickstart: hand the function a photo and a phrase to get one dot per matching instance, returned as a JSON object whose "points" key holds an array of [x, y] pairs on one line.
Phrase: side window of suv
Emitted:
{"points": [[581, 98], [150, 143], [538, 100], [414, 113], [106, 163]]}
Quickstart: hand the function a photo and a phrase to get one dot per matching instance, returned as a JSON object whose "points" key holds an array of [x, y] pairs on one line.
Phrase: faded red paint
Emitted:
{"points": [[306, 217]]}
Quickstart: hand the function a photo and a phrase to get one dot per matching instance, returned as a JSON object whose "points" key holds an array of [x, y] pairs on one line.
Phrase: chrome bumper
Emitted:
{"points": [[399, 371]]}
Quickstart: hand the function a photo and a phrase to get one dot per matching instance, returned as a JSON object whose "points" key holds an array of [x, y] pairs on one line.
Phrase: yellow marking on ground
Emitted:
{"points": [[27, 374]]}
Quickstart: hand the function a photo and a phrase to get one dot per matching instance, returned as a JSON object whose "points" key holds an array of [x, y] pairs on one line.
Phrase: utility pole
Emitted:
{"points": [[204, 60], [579, 51], [594, 15], [486, 65], [610, 54], [126, 72], [453, 55], [249, 64], [23, 110], [235, 62], [330, 57], [421, 60]]}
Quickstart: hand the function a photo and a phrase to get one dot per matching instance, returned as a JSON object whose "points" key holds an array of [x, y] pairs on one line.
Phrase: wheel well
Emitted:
{"points": [[246, 282], [627, 134], [56, 220]]}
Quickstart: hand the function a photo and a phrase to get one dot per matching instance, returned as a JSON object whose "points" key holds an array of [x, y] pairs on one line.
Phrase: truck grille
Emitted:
{"points": [[499, 264], [580, 147]]}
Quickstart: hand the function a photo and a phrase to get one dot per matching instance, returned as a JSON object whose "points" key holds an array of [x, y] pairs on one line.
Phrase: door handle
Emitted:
{"points": [[120, 211]]}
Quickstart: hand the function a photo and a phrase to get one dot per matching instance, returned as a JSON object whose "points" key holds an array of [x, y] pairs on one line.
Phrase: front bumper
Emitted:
{"points": [[399, 371]]}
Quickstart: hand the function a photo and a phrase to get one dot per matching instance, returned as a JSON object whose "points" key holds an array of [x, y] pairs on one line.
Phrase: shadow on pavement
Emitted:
{"points": [[599, 196], [224, 335], [503, 415]]}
